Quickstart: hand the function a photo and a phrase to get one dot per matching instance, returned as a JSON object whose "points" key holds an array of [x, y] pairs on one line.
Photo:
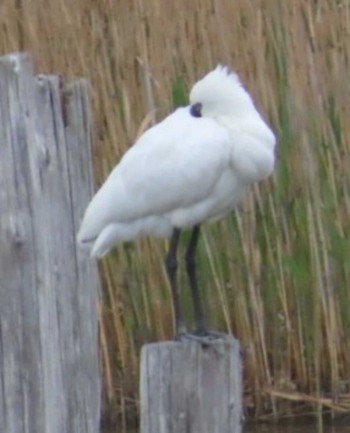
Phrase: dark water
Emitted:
{"points": [[280, 428], [297, 428]]}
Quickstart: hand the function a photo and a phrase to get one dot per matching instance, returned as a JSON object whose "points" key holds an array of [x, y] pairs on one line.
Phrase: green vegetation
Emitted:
{"points": [[277, 272]]}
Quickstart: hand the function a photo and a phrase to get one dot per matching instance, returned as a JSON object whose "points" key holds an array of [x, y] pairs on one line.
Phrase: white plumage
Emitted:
{"points": [[186, 169]]}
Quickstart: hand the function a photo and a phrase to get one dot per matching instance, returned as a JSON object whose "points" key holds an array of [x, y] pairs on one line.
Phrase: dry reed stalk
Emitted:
{"points": [[277, 273]]}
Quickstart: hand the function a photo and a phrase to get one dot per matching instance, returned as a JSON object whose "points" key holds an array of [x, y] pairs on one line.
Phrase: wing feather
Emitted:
{"points": [[173, 165]]}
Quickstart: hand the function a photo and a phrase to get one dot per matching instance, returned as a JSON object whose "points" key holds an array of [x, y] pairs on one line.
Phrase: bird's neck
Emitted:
{"points": [[252, 125]]}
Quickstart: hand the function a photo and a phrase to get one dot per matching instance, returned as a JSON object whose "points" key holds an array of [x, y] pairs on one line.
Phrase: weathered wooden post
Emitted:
{"points": [[49, 369], [187, 387]]}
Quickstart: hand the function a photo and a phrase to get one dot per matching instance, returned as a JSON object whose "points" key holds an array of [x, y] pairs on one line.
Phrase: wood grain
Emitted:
{"points": [[190, 388], [49, 369]]}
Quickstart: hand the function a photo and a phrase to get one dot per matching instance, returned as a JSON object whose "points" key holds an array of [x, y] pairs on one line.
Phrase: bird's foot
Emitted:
{"points": [[201, 336]]}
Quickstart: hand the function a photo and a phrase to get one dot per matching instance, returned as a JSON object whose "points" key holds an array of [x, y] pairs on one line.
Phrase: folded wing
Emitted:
{"points": [[175, 164]]}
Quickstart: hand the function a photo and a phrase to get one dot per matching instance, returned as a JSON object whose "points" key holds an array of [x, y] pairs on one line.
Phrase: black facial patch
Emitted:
{"points": [[196, 110]]}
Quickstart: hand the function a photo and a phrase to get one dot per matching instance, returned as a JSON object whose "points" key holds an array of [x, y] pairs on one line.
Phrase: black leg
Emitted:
{"points": [[201, 328], [171, 268]]}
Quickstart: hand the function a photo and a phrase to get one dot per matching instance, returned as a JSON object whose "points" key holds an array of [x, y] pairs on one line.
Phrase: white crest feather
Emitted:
{"points": [[221, 89]]}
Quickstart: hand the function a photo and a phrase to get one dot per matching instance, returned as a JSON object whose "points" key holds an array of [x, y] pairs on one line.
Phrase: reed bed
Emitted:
{"points": [[277, 272]]}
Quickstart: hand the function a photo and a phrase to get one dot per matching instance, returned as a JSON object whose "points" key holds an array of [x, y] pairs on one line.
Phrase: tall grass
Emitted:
{"points": [[277, 272]]}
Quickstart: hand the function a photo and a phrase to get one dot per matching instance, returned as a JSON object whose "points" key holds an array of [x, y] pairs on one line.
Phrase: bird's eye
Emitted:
{"points": [[196, 110]]}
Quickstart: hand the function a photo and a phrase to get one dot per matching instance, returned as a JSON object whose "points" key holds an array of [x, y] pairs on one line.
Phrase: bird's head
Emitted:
{"points": [[218, 94]]}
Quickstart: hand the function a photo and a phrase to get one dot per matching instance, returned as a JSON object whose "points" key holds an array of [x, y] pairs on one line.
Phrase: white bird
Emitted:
{"points": [[194, 166]]}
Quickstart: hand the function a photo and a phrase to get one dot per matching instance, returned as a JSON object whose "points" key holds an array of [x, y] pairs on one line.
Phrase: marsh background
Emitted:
{"points": [[276, 273]]}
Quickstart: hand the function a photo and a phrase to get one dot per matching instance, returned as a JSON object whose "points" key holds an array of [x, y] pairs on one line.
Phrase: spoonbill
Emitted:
{"points": [[194, 166]]}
